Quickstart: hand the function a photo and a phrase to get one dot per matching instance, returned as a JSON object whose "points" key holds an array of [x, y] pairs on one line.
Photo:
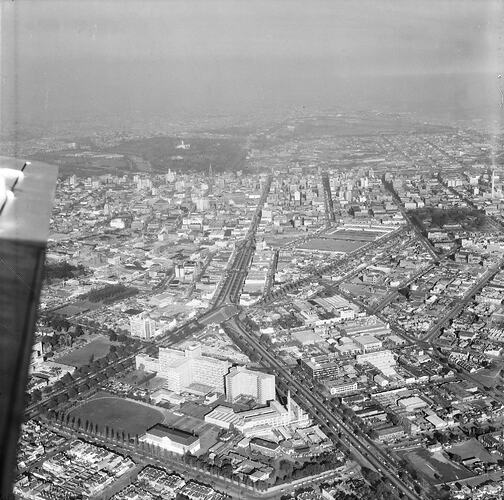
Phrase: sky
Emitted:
{"points": [[65, 61]]}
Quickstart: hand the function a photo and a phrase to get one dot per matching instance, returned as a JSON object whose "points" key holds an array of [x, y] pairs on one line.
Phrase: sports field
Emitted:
{"points": [[97, 348], [119, 414]]}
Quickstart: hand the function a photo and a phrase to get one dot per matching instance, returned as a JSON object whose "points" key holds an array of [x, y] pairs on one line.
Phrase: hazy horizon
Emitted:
{"points": [[69, 61]]}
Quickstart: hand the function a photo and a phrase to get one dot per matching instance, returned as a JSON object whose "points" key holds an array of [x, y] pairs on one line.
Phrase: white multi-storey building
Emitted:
{"points": [[174, 440], [142, 326], [183, 368], [260, 421], [259, 385]]}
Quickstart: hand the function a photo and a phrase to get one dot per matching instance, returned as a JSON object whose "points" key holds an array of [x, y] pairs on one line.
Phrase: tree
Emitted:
{"points": [[285, 469], [370, 475], [67, 379], [395, 419], [84, 369], [265, 339], [52, 403], [36, 396], [61, 398], [113, 356]]}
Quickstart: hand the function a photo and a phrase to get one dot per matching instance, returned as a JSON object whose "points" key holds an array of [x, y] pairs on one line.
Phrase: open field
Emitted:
{"points": [[472, 448], [76, 308], [490, 377], [119, 414], [331, 245], [97, 348], [353, 235]]}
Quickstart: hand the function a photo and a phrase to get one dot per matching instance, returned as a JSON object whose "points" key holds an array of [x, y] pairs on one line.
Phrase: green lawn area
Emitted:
{"points": [[119, 414], [98, 348]]}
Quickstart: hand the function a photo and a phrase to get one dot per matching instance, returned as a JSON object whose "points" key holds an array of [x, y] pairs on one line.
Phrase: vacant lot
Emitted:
{"points": [[472, 448], [436, 467], [119, 414], [96, 349]]}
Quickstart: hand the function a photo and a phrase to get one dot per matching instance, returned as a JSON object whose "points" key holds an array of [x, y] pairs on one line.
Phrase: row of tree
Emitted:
{"points": [[225, 470], [287, 471], [75, 386], [62, 270], [109, 293]]}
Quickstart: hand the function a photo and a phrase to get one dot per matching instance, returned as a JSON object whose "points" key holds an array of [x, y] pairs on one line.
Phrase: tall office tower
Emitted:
{"points": [[259, 385], [26, 195]]}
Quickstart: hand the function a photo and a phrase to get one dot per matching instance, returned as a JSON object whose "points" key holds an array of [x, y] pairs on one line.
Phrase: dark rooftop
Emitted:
{"points": [[176, 435]]}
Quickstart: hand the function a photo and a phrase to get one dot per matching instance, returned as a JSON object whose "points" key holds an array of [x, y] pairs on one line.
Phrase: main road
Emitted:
{"points": [[224, 303], [421, 237], [361, 447]]}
